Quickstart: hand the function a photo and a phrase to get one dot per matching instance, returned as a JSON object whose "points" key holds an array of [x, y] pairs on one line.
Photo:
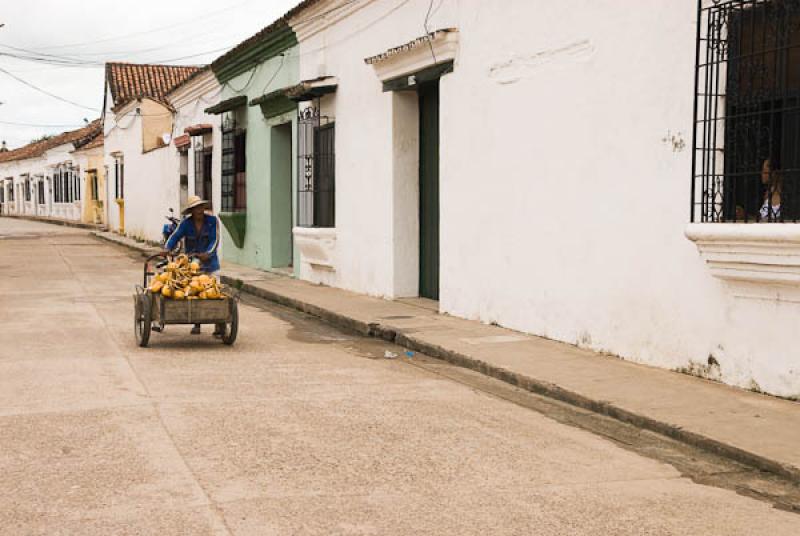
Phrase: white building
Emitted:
{"points": [[47, 178], [529, 163], [138, 124], [197, 142]]}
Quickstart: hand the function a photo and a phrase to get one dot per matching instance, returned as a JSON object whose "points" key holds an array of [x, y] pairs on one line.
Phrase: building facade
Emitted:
{"points": [[257, 128], [539, 176], [138, 124], [46, 178], [197, 143]]}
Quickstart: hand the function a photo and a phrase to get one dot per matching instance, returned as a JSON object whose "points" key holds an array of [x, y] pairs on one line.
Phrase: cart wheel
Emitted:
{"points": [[232, 329], [143, 319]]}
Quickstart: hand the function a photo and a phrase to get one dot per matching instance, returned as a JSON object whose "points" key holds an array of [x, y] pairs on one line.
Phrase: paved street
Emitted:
{"points": [[296, 429]]}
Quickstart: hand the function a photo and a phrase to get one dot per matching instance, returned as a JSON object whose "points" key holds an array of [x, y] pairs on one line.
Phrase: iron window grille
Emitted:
{"points": [[27, 189], [76, 174], [234, 165], [40, 185], [316, 169], [202, 168], [119, 178], [746, 159]]}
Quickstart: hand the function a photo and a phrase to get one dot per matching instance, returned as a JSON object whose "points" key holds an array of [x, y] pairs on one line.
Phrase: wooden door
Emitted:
{"points": [[429, 190]]}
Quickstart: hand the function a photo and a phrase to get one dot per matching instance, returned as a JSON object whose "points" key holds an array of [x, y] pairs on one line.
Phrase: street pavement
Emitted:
{"points": [[296, 429]]}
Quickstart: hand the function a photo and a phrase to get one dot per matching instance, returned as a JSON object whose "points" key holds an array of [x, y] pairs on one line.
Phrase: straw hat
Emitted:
{"points": [[194, 201]]}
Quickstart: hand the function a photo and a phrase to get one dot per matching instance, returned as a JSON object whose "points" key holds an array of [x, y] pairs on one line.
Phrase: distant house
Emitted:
{"points": [[48, 178], [89, 158], [138, 123]]}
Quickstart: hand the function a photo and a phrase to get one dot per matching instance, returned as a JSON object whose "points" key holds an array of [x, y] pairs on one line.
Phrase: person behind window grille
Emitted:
{"points": [[772, 180]]}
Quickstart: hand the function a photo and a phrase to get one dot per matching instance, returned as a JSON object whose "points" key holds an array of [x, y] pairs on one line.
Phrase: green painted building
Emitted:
{"points": [[259, 132]]}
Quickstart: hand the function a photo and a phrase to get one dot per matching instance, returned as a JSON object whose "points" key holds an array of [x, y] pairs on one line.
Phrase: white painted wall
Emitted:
{"points": [[151, 179], [563, 197], [62, 155], [190, 102], [41, 169]]}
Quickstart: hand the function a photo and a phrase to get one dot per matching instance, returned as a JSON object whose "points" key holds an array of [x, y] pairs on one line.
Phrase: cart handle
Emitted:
{"points": [[147, 261]]}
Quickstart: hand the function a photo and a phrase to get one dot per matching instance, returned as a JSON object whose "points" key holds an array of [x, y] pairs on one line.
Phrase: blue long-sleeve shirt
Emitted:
{"points": [[207, 241]]}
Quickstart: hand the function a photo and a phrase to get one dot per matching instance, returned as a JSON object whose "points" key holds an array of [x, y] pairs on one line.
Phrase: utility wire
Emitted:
{"points": [[275, 75], [13, 123], [146, 32], [40, 90], [428, 32]]}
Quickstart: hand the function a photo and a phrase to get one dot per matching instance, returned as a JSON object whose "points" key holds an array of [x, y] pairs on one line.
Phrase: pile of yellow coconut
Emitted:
{"points": [[182, 280]]}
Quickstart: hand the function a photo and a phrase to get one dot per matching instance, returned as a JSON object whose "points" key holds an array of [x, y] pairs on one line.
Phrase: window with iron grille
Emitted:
{"points": [[119, 177], [316, 179], [41, 191], [68, 185], [10, 189], [76, 177], [202, 168], [234, 166], [27, 189], [746, 160]]}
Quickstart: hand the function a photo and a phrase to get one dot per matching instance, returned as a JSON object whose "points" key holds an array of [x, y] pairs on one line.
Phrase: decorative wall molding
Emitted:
{"points": [[316, 246], [759, 261], [440, 46]]}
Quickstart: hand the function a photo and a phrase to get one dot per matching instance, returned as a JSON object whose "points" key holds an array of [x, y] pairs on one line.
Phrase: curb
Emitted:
{"points": [[539, 387], [54, 221], [144, 249]]}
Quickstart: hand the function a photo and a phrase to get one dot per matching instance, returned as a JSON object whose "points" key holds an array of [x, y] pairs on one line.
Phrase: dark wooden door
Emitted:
{"points": [[429, 190]]}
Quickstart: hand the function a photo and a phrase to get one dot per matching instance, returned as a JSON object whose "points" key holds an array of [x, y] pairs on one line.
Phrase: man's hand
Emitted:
{"points": [[203, 256]]}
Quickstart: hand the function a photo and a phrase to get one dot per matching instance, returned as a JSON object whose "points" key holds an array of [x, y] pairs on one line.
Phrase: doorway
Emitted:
{"points": [[281, 218], [429, 190]]}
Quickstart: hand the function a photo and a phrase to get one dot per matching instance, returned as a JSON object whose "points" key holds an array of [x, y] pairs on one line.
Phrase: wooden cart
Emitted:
{"points": [[153, 312]]}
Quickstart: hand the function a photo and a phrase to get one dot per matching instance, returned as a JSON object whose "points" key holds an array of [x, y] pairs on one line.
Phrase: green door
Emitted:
{"points": [[429, 190]]}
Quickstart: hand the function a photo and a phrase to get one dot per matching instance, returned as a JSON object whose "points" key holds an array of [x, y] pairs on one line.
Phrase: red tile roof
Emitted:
{"points": [[196, 130], [182, 142], [129, 81], [98, 141], [77, 137]]}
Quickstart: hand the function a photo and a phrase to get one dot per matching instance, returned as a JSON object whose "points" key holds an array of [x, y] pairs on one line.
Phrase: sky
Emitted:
{"points": [[90, 32]]}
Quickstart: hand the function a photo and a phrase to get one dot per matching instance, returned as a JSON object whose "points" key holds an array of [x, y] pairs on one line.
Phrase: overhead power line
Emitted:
{"points": [[147, 32], [40, 125], [45, 92]]}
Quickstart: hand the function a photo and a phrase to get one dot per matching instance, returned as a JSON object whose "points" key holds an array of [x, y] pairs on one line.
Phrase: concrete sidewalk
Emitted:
{"points": [[758, 430], [56, 221]]}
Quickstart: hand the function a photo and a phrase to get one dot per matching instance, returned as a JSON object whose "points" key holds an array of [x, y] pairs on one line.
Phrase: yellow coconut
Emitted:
{"points": [[156, 286], [166, 291]]}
